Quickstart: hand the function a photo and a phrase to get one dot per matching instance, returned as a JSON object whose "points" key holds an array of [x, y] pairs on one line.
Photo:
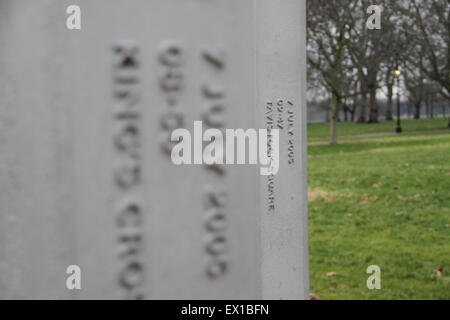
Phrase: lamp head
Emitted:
{"points": [[398, 73]]}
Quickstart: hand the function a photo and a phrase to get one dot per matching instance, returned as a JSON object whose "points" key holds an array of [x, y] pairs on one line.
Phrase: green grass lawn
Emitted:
{"points": [[322, 129], [381, 201]]}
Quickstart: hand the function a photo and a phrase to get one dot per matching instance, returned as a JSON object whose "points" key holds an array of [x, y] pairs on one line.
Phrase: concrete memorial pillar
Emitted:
{"points": [[86, 176], [280, 99]]}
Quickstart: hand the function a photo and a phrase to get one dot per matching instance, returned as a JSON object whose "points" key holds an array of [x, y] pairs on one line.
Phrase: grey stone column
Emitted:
{"points": [[86, 176], [280, 101]]}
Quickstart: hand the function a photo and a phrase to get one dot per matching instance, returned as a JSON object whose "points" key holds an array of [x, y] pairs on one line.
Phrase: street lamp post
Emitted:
{"points": [[398, 73]]}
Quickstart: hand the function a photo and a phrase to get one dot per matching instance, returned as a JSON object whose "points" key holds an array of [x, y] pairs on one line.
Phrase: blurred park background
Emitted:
{"points": [[378, 197]]}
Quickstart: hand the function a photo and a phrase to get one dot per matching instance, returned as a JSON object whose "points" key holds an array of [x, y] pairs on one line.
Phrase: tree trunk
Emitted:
{"points": [[355, 103], [389, 103], [334, 120], [362, 113], [373, 118], [417, 112]]}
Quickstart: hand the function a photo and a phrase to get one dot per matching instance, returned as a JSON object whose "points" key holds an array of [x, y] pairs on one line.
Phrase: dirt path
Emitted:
{"points": [[381, 134]]}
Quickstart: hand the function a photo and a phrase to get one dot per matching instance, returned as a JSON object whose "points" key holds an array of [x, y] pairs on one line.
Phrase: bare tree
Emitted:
{"points": [[370, 50], [429, 28], [433, 22], [415, 86], [328, 34], [353, 62]]}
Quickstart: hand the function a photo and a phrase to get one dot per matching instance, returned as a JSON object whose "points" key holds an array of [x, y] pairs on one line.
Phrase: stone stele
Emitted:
{"points": [[86, 176]]}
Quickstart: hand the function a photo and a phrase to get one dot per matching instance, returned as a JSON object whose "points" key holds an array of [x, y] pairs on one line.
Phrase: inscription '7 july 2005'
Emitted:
{"points": [[215, 193], [275, 116]]}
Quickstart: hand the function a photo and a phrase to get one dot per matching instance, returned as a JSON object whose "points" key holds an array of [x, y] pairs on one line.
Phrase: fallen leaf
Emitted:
{"points": [[364, 199], [331, 274], [313, 296], [377, 185], [439, 272]]}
